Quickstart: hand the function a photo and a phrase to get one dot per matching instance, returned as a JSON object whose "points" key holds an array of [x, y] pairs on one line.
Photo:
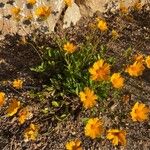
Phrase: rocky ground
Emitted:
{"points": [[16, 60]]}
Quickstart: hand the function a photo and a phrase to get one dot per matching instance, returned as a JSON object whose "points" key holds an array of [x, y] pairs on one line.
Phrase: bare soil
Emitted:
{"points": [[16, 60]]}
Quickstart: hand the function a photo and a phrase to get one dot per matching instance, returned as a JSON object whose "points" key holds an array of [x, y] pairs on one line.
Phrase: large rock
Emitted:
{"points": [[72, 15], [89, 7], [57, 7], [11, 26]]}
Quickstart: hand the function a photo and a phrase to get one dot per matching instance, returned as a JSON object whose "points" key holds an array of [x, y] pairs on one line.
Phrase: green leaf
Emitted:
{"points": [[49, 53], [55, 104], [45, 110], [40, 68], [63, 115], [103, 49], [128, 52], [85, 120]]}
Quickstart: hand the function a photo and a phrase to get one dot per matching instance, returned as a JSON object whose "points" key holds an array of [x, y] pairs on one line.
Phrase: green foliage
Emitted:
{"points": [[68, 72]]}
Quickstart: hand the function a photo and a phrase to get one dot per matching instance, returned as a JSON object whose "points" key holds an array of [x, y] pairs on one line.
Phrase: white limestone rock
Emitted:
{"points": [[72, 15]]}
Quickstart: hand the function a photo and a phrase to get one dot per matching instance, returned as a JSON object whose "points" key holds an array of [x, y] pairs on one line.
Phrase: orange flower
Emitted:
{"points": [[2, 98], [88, 98], [17, 84], [102, 25], [100, 70], [43, 12], [74, 145], [117, 136], [31, 2], [69, 47], [139, 58], [13, 108], [147, 61], [23, 115], [117, 80], [137, 5], [93, 128], [139, 112], [31, 132], [15, 11], [136, 69], [123, 8], [68, 2]]}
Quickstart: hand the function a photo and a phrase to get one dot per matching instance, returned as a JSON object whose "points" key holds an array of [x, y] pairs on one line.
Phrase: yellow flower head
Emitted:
{"points": [[17, 84], [23, 115], [68, 2], [31, 2], [139, 112], [69, 47], [13, 108], [15, 11], [93, 128], [100, 70], [117, 80], [138, 58], [123, 8], [102, 25], [74, 145], [88, 98], [43, 12], [136, 69], [114, 33], [31, 132], [117, 136], [2, 98], [28, 17], [137, 5], [147, 61]]}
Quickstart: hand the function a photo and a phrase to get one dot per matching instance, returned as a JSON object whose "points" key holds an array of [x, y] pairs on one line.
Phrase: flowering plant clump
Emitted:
{"points": [[93, 128], [117, 80], [117, 136], [2, 98], [88, 98], [74, 145], [17, 84], [31, 132], [139, 112], [100, 70], [13, 107], [68, 69]]}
